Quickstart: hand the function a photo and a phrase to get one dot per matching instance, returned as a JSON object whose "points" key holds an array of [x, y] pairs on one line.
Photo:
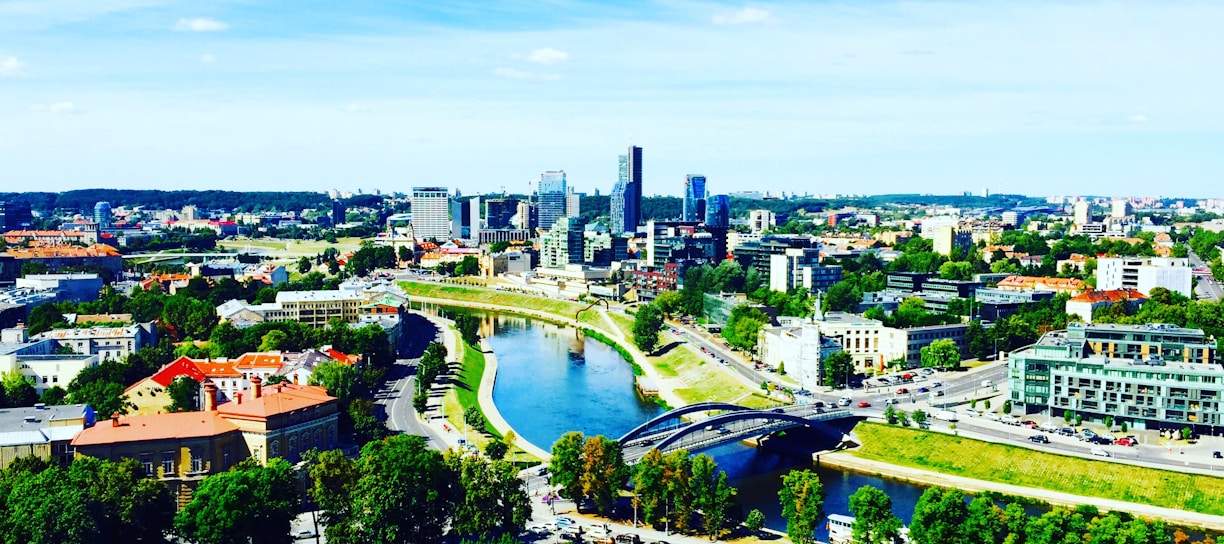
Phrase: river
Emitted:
{"points": [[550, 382]]}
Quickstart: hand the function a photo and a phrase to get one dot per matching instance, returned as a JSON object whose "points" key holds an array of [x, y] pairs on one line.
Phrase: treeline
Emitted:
{"points": [[83, 200]]}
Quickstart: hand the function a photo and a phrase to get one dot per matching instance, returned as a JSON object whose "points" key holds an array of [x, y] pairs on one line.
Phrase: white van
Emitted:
{"points": [[946, 415], [987, 383]]}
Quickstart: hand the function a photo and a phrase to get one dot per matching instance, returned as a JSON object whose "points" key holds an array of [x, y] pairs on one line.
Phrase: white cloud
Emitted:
{"points": [[547, 56], [511, 73], [207, 59], [746, 15], [10, 66], [199, 24], [1137, 118], [58, 107]]}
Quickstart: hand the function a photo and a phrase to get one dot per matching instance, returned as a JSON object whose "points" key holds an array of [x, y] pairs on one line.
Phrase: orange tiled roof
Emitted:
{"points": [[276, 399], [1111, 296], [1031, 282], [182, 366], [155, 427], [218, 369], [257, 360], [48, 252], [342, 357]]}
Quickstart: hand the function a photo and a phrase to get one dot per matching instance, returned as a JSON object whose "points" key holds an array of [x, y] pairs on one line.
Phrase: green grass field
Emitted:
{"points": [[560, 308], [1030, 468], [279, 248]]}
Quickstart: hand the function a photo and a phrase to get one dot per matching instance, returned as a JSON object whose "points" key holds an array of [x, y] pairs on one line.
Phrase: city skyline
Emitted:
{"points": [[890, 97]]}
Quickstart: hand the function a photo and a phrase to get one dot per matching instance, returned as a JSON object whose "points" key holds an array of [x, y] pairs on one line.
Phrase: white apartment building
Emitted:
{"points": [[108, 343], [431, 213], [799, 350], [1144, 274], [761, 220]]}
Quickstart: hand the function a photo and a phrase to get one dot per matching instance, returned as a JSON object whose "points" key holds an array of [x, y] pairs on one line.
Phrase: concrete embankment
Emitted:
{"points": [[847, 461], [485, 398]]}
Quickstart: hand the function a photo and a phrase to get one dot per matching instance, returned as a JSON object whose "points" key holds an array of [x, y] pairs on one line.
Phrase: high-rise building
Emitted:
{"points": [[471, 218], [456, 219], [1145, 274], [1083, 212], [102, 215], [626, 201], [761, 220], [431, 213], [562, 244], [1119, 208], [526, 215], [694, 198], [573, 203], [718, 211], [499, 211], [551, 198], [338, 212], [15, 216]]}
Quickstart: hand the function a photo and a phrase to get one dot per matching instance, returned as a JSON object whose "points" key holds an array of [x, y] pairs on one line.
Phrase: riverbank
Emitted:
{"points": [[485, 399], [972, 465]]}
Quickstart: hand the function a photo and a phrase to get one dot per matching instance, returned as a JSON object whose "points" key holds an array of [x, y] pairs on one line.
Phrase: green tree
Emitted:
{"points": [[650, 485], [304, 265], [184, 394], [366, 425], [189, 317], [962, 271], [566, 465], [646, 327], [874, 522], [249, 503], [18, 390], [273, 341], [755, 521], [919, 417], [494, 500], [474, 418], [941, 353], [977, 339], [712, 495], [603, 471], [838, 367], [106, 397], [670, 303], [54, 396], [43, 318], [469, 266], [983, 522], [938, 517], [496, 449], [802, 500]]}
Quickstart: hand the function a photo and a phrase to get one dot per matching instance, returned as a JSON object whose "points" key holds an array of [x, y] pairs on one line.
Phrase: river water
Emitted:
{"points": [[550, 382]]}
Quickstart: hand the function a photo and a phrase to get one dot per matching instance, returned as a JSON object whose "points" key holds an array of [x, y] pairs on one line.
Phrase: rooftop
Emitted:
{"points": [[315, 296], [1113, 295], [276, 399], [14, 419], [90, 333], [169, 426]]}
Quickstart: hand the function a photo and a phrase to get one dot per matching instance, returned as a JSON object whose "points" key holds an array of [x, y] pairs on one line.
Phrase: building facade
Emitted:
{"points": [[694, 198], [431, 213], [1149, 376], [551, 199], [1145, 274], [718, 211], [626, 197]]}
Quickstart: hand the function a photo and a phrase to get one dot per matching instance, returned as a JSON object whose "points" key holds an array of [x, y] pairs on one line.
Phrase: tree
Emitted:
{"points": [[494, 500], [43, 318], [755, 521], [938, 517], [802, 500], [920, 417], [366, 425], [646, 327], [711, 494], [54, 396], [603, 471], [983, 522], [977, 339], [18, 391], [956, 271], [474, 418], [669, 302], [874, 522], [496, 449], [303, 265], [941, 353], [249, 503], [1007, 406], [468, 326], [469, 266], [189, 317], [838, 367], [106, 397], [566, 465], [273, 341], [184, 394], [781, 368]]}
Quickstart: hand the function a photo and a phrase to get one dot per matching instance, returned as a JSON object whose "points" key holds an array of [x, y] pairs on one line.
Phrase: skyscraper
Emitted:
{"points": [[694, 198], [499, 211], [626, 198], [551, 192], [431, 213], [15, 215], [338, 212], [102, 215], [718, 211]]}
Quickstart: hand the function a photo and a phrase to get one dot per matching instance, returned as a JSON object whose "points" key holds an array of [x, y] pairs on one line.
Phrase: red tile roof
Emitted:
{"points": [[276, 399], [1035, 282], [155, 427], [260, 360], [1111, 296], [182, 366], [218, 369]]}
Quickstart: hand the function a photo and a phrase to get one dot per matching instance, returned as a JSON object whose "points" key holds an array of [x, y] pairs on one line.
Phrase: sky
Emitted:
{"points": [[1038, 97]]}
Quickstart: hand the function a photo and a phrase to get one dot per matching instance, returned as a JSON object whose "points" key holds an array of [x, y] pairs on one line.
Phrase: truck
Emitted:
{"points": [[946, 415]]}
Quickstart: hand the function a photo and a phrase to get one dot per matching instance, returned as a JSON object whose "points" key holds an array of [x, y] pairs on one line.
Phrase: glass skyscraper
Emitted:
{"points": [[551, 202], [694, 198], [718, 211], [626, 198]]}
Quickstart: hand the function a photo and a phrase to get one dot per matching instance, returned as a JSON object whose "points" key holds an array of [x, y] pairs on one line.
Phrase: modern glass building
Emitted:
{"points": [[626, 198], [551, 201], [102, 215], [1149, 376], [694, 198], [718, 211]]}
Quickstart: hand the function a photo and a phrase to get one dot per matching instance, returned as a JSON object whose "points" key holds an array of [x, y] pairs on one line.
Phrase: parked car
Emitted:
{"points": [[1099, 452], [304, 533], [1216, 454], [1040, 439], [1087, 433], [946, 415], [1126, 441], [1029, 423], [924, 390], [972, 413], [939, 393], [627, 538], [927, 371], [1066, 431], [991, 416], [936, 384], [903, 391], [1100, 440], [864, 404], [1010, 420]]}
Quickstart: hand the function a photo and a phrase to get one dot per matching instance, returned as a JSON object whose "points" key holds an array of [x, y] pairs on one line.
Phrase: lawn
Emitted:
{"points": [[465, 393], [281, 248], [560, 308], [1031, 468], [703, 378]]}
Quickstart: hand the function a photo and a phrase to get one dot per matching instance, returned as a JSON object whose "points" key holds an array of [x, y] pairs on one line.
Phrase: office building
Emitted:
{"points": [[1145, 274], [562, 244], [339, 214], [760, 221], [573, 203], [1082, 212], [694, 198], [431, 213], [456, 219], [42, 431], [102, 215], [15, 216], [499, 212], [1086, 303], [66, 287], [800, 268], [800, 349], [945, 239], [108, 343], [550, 199], [525, 217], [1147, 376], [626, 198], [718, 211], [1119, 209], [471, 219]]}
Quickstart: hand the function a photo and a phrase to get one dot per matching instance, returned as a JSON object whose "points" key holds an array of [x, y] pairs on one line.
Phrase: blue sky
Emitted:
{"points": [[1107, 98]]}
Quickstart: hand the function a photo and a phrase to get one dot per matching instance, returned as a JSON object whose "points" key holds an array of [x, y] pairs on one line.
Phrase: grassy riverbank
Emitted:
{"points": [[1013, 465], [465, 393]]}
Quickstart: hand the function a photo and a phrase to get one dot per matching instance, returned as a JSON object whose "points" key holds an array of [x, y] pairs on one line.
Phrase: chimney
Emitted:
{"points": [[210, 396], [256, 387], [115, 419], [238, 398]]}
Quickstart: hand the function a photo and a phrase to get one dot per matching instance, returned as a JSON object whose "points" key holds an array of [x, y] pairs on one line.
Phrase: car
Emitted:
{"points": [[864, 404], [844, 401], [903, 391], [939, 393], [724, 430], [1216, 454], [563, 521], [777, 410], [1100, 440], [1126, 441], [927, 371], [892, 401], [991, 416], [1039, 439], [1066, 431], [542, 471], [1029, 423], [627, 538], [972, 413], [924, 390], [936, 384], [1099, 452], [539, 529], [1087, 433], [803, 392], [1010, 420], [304, 533]]}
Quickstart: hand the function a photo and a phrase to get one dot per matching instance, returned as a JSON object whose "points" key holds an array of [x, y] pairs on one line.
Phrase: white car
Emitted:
{"points": [[1099, 452], [991, 416], [972, 413]]}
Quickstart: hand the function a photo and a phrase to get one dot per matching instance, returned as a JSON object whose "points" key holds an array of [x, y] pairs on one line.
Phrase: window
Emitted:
{"points": [[225, 457], [167, 464], [146, 461], [197, 463], [274, 449], [292, 445]]}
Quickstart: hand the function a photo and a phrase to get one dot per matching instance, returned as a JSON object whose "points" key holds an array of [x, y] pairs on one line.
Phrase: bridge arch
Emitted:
{"points": [[675, 415], [721, 419]]}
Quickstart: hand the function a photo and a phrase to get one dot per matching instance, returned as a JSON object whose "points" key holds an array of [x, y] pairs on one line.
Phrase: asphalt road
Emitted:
{"points": [[396, 392], [1207, 287]]}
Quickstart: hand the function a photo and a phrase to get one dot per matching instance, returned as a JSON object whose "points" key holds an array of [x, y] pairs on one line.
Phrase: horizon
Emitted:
{"points": [[885, 98]]}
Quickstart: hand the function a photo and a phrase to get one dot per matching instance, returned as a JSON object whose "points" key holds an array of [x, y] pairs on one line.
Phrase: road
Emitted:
{"points": [[1208, 288], [400, 385]]}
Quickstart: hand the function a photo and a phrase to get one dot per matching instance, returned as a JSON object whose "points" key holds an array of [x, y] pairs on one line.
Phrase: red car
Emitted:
{"points": [[1126, 442], [902, 391], [864, 404], [1029, 423]]}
